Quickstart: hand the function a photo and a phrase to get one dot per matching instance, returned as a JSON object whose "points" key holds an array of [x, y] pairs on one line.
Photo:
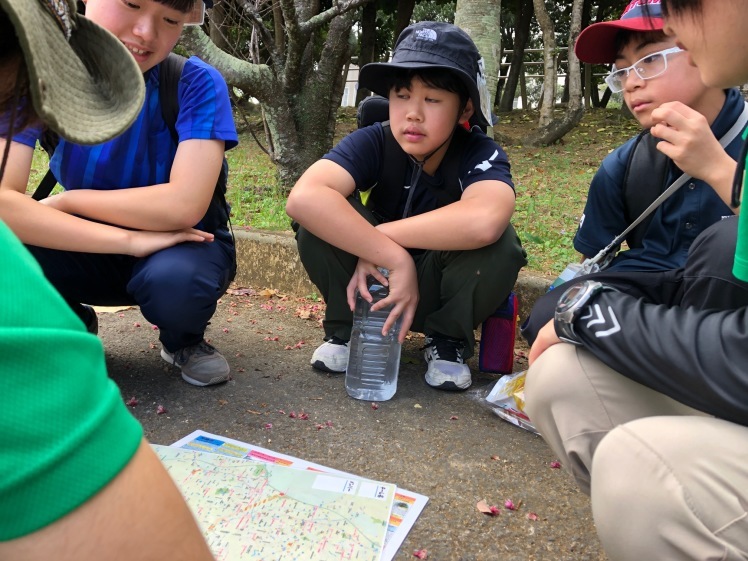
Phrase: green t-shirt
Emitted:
{"points": [[64, 429], [740, 267]]}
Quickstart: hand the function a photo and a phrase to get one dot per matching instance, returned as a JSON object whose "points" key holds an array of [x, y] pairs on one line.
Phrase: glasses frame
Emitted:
{"points": [[665, 53]]}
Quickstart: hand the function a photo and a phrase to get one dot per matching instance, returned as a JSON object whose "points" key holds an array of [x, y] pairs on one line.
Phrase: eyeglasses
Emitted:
{"points": [[646, 68]]}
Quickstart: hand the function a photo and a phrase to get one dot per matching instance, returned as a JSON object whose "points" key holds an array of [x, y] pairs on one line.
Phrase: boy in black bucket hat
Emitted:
{"points": [[440, 223]]}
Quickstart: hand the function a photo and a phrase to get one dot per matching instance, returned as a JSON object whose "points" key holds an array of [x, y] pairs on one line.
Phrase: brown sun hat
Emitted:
{"points": [[84, 83]]}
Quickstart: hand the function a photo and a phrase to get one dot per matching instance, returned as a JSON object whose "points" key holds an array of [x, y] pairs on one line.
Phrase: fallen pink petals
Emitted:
{"points": [[304, 416], [555, 465], [160, 410], [328, 423], [132, 402], [453, 418], [225, 330], [509, 504], [292, 414], [375, 406], [319, 427], [420, 553], [483, 507], [136, 324], [532, 516], [154, 327], [268, 426]]}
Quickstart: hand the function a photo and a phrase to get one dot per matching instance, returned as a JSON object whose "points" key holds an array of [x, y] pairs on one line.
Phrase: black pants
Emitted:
{"points": [[705, 281], [457, 289]]}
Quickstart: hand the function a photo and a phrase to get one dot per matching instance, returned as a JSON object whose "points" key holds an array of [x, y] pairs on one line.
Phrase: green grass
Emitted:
{"points": [[551, 182]]}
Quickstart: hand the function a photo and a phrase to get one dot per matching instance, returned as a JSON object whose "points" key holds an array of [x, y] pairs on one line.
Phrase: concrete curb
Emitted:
{"points": [[270, 260]]}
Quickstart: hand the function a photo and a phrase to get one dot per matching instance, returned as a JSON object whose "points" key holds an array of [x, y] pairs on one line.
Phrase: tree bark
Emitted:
{"points": [[367, 43], [523, 18], [549, 64], [481, 19], [301, 84], [404, 13], [553, 130]]}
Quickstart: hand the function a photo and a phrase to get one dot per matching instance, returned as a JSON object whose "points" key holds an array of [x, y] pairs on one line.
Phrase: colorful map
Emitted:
{"points": [[252, 510]]}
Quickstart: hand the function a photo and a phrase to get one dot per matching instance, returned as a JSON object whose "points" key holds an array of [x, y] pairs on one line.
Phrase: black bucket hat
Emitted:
{"points": [[430, 44]]}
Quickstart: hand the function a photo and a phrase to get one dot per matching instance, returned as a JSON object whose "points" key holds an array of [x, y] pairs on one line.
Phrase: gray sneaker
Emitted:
{"points": [[201, 364]]}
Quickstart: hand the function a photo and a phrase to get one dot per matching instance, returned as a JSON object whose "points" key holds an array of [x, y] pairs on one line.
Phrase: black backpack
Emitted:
{"points": [[170, 72], [645, 179], [384, 201]]}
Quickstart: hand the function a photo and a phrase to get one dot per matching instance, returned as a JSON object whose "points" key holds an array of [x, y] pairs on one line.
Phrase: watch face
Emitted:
{"points": [[571, 296]]}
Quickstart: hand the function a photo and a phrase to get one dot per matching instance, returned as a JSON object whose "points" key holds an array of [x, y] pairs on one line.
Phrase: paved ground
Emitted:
{"points": [[412, 440]]}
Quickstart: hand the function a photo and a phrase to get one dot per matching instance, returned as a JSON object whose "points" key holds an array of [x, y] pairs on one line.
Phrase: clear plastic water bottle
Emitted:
{"points": [[374, 359]]}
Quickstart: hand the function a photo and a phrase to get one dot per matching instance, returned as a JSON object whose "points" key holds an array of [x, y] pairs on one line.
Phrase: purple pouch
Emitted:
{"points": [[497, 338]]}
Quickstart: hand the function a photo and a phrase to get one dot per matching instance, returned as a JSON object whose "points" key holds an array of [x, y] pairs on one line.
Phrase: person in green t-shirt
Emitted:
{"points": [[77, 479], [647, 404]]}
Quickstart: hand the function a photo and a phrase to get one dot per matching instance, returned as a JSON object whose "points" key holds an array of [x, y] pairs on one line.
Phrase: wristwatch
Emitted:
{"points": [[570, 306]]}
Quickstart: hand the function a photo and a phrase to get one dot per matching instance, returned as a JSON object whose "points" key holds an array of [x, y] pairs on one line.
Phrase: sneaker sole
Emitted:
{"points": [[450, 386], [213, 381], [319, 365]]}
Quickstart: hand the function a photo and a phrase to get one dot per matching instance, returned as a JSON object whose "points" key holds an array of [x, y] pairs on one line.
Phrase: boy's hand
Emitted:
{"points": [[546, 338], [143, 243], [688, 140], [403, 296]]}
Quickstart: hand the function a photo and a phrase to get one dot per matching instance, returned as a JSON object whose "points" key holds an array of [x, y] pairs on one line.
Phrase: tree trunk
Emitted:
{"points": [[549, 64], [556, 129], [404, 13], [367, 43], [300, 86], [523, 18], [218, 26], [481, 19]]}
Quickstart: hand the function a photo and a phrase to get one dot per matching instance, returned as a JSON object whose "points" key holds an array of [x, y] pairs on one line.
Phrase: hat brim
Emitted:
{"points": [[88, 89], [374, 75], [596, 44]]}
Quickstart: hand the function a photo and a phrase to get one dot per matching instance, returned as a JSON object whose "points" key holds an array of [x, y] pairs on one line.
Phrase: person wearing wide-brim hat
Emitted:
{"points": [[164, 172], [77, 480], [443, 217]]}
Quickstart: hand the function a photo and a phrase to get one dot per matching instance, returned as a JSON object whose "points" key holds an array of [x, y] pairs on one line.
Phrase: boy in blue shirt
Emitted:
{"points": [[451, 252], [658, 85], [142, 180]]}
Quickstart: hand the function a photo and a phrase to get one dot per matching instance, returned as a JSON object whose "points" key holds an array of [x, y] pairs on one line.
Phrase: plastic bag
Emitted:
{"points": [[506, 398]]}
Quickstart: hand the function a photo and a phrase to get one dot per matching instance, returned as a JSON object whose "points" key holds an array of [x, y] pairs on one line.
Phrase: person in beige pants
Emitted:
{"points": [[666, 480], [646, 403]]}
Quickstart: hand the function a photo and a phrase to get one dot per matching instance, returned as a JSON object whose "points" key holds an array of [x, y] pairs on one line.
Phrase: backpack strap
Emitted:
{"points": [[386, 203], [170, 73], [645, 180]]}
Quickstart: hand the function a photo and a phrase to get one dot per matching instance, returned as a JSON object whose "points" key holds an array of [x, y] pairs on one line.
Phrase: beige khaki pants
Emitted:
{"points": [[666, 481]]}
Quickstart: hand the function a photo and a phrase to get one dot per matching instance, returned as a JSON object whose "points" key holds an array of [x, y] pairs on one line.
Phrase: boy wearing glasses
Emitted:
{"points": [[662, 89]]}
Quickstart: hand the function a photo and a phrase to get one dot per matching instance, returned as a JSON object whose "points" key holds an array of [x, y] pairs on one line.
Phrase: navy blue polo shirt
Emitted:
{"points": [[675, 224], [361, 152]]}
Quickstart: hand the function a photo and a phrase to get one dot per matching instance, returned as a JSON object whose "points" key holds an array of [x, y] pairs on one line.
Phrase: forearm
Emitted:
{"points": [[158, 208], [328, 215], [696, 357], [37, 224], [478, 219]]}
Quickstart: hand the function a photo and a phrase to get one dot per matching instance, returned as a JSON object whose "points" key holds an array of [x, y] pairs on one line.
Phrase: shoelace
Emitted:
{"points": [[200, 349], [445, 349]]}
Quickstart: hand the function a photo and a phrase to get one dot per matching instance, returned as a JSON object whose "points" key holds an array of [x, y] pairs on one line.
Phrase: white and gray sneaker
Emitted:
{"points": [[446, 368], [331, 356], [201, 364]]}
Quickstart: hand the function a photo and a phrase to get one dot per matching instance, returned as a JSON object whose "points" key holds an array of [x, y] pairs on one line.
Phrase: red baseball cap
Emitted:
{"points": [[596, 44]]}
